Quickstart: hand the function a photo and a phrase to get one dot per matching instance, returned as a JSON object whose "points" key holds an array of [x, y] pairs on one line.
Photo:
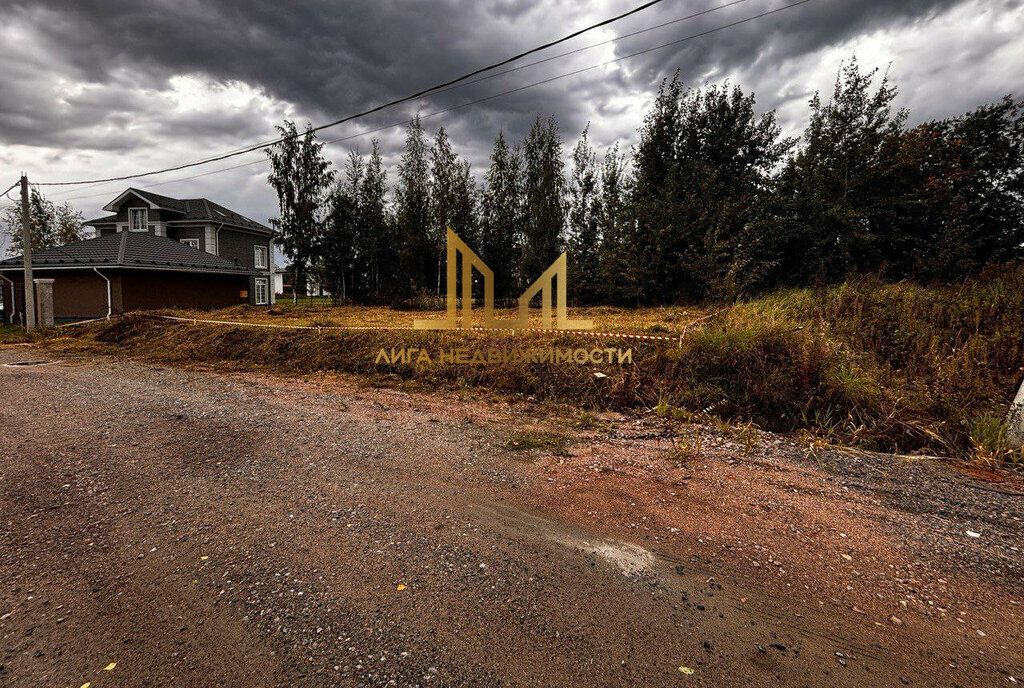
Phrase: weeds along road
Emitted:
{"points": [[170, 527]]}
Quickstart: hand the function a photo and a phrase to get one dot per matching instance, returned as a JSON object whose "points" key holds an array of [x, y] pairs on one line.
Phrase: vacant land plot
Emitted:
{"points": [[898, 368]]}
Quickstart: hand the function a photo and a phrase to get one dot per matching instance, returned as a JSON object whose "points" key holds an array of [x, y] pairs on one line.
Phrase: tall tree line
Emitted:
{"points": [[711, 203]]}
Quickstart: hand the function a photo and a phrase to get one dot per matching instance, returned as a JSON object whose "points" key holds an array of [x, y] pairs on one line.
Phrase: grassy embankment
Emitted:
{"points": [[12, 334], [890, 367]]}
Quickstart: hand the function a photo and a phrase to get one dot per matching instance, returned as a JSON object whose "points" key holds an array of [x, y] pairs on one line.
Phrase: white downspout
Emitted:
{"points": [[109, 307], [216, 238]]}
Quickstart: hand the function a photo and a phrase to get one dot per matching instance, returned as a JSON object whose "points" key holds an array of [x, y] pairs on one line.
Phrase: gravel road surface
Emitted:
{"points": [[161, 526]]}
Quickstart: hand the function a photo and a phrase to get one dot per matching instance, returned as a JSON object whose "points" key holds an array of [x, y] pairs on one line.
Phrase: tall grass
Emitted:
{"points": [[950, 357]]}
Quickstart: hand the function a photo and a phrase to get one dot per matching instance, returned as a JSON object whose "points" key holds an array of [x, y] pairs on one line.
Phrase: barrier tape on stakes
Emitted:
{"points": [[341, 328], [80, 322]]}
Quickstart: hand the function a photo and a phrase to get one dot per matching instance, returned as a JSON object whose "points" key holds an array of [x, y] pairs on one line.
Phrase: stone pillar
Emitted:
{"points": [[44, 302]]}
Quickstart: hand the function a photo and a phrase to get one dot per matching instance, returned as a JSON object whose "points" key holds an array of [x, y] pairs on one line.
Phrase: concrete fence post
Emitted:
{"points": [[44, 302]]}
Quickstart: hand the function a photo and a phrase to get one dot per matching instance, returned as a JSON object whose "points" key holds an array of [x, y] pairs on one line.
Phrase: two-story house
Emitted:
{"points": [[153, 252]]}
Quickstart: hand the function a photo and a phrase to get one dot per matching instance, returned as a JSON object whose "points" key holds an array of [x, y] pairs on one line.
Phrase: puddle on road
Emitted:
{"points": [[21, 364], [631, 560]]}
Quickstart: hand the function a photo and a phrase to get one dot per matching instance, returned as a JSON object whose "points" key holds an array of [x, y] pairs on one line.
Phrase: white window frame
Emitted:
{"points": [[257, 253], [258, 284], [132, 214], [194, 243]]}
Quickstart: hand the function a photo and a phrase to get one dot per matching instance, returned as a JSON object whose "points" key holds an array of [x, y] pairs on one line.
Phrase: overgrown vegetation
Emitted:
{"points": [[895, 367], [12, 334]]}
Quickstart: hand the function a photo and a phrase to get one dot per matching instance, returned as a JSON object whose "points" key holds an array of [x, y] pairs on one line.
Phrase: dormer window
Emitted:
{"points": [[138, 219]]}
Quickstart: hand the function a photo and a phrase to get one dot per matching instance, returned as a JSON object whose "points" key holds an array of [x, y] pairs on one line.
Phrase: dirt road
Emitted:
{"points": [[168, 527]]}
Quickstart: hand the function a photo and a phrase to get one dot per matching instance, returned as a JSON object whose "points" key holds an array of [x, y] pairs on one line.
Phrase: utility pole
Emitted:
{"points": [[26, 245]]}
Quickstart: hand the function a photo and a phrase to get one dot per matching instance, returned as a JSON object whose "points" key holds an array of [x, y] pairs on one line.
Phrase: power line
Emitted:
{"points": [[492, 97], [257, 146], [378, 108], [595, 45]]}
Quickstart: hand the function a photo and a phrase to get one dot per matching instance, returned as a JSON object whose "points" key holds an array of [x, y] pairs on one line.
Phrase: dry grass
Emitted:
{"points": [[10, 334], [888, 367], [667, 321]]}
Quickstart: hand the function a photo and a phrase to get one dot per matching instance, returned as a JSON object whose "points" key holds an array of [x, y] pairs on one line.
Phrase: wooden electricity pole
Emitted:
{"points": [[26, 246]]}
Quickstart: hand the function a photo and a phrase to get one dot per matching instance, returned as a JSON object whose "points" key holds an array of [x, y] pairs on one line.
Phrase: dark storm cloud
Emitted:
{"points": [[94, 82], [788, 33], [333, 58]]}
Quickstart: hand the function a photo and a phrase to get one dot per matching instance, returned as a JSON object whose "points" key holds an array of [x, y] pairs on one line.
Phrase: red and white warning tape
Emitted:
{"points": [[241, 323]]}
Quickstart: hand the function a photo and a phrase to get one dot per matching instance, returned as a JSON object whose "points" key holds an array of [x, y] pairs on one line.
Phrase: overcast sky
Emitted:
{"points": [[95, 88]]}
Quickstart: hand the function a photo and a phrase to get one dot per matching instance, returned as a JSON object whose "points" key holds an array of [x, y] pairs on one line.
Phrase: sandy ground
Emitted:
{"points": [[180, 527]]}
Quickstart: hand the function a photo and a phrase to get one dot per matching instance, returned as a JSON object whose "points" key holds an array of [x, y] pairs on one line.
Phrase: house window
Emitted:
{"points": [[194, 243], [261, 291], [260, 258], [138, 219]]}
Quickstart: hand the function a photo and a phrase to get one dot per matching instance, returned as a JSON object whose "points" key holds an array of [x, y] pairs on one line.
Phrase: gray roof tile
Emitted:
{"points": [[128, 249], [193, 210]]}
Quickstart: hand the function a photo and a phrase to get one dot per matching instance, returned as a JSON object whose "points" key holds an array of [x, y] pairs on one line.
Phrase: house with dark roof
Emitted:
{"points": [[153, 252]]}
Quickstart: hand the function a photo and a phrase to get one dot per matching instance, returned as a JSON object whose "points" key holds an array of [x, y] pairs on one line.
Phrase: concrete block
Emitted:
{"points": [[44, 302]]}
